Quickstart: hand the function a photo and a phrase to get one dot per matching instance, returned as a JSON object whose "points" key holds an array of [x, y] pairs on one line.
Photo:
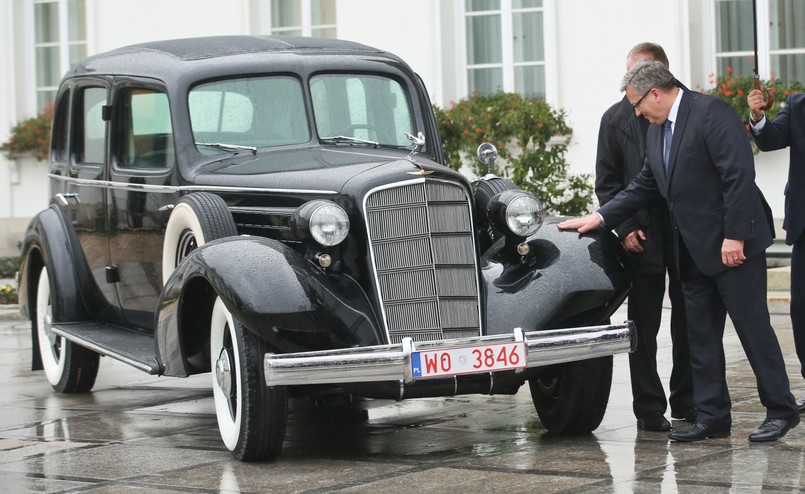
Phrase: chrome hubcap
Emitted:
{"points": [[47, 323], [223, 373]]}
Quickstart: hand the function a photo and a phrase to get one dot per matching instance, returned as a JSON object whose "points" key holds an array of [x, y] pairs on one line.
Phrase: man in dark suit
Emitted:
{"points": [[647, 242], [699, 160], [788, 129]]}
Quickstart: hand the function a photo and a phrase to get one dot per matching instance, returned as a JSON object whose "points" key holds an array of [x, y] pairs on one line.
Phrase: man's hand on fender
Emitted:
{"points": [[582, 225]]}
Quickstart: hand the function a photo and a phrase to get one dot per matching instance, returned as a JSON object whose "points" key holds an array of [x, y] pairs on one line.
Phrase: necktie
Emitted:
{"points": [[666, 137]]}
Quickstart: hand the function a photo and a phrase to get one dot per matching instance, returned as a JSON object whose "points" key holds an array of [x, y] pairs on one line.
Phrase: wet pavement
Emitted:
{"points": [[143, 434]]}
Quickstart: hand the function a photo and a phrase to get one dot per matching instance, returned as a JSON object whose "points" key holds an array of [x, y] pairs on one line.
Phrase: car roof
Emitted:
{"points": [[163, 59]]}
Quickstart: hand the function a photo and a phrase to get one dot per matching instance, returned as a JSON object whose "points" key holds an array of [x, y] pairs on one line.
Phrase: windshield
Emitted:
{"points": [[368, 108], [248, 113]]}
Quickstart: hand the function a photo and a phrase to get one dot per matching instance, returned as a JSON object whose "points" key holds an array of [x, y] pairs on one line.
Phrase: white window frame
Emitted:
{"points": [[64, 44], [507, 42], [764, 53], [307, 26]]}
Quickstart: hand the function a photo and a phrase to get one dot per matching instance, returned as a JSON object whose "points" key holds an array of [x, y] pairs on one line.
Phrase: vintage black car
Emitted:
{"points": [[276, 211]]}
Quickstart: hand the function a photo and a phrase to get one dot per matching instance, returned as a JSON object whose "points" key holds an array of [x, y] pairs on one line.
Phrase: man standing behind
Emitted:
{"points": [[788, 129], [699, 160], [647, 242]]}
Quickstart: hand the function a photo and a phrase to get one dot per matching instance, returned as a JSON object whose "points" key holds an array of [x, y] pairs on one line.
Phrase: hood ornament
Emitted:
{"points": [[417, 141]]}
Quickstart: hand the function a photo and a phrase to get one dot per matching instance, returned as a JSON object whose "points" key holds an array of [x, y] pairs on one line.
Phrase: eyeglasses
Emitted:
{"points": [[637, 104]]}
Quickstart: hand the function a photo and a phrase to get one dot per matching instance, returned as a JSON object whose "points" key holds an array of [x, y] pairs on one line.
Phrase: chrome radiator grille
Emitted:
{"points": [[422, 245]]}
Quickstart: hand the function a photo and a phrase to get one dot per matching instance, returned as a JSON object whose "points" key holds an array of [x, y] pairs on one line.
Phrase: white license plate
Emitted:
{"points": [[468, 360]]}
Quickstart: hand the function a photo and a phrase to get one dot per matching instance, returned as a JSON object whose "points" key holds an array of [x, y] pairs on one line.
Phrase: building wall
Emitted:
{"points": [[588, 42]]}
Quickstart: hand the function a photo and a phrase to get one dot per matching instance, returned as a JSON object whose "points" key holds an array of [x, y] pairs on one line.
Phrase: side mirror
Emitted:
{"points": [[487, 154]]}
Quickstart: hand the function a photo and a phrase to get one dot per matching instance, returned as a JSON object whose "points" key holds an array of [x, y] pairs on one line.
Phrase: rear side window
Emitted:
{"points": [[145, 130], [91, 139], [60, 128], [255, 112]]}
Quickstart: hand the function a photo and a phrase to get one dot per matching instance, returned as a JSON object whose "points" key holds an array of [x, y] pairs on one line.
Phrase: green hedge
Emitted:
{"points": [[532, 140]]}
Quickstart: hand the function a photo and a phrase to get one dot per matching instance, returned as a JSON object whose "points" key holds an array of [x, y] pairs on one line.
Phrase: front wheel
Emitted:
{"points": [[69, 368], [571, 398], [252, 417]]}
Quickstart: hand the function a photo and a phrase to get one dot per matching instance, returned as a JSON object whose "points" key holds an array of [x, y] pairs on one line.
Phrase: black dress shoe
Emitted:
{"points": [[688, 415], [699, 431], [654, 421], [801, 405], [773, 429]]}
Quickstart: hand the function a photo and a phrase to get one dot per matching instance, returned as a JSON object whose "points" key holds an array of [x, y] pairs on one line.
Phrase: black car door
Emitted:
{"points": [[142, 165]]}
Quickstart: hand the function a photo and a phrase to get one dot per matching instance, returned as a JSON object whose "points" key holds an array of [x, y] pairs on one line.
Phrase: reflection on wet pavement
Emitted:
{"points": [[140, 433]]}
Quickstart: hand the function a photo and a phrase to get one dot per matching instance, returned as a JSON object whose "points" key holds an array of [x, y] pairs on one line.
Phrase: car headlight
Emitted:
{"points": [[323, 221], [516, 211]]}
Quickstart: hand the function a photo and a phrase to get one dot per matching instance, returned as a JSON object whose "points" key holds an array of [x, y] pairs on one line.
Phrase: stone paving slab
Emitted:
{"points": [[146, 434]]}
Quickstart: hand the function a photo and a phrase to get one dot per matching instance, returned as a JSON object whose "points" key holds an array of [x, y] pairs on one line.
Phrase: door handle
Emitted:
{"points": [[66, 198]]}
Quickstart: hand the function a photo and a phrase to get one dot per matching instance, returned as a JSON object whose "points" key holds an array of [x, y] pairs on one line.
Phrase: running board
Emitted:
{"points": [[130, 347]]}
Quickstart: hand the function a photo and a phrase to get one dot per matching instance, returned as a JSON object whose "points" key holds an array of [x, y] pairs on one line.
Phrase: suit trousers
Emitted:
{"points": [[741, 293], [645, 309], [798, 298]]}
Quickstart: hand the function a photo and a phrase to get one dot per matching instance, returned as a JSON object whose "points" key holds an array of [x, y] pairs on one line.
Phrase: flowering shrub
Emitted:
{"points": [[31, 136], [8, 295], [531, 138], [734, 88], [8, 268]]}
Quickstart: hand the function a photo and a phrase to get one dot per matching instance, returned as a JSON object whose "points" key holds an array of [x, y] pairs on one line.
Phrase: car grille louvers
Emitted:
{"points": [[422, 245]]}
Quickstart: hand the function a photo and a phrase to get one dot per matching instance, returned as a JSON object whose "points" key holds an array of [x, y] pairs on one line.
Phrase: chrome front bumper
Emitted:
{"points": [[393, 362]]}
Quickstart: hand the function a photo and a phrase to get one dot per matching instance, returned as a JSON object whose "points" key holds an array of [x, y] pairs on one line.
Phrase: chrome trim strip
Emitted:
{"points": [[393, 362], [171, 189]]}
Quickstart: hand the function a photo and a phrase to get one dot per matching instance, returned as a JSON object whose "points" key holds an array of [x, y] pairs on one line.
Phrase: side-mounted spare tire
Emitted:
{"points": [[196, 219]]}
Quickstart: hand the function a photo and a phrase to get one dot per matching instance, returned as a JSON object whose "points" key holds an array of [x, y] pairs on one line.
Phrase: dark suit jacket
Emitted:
{"points": [[788, 129], [620, 157], [710, 186]]}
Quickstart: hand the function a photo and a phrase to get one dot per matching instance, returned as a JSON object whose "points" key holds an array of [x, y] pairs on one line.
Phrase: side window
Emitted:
{"points": [[144, 130], [61, 118], [90, 138]]}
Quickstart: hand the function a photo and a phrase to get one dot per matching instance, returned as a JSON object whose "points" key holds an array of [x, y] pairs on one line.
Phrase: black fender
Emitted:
{"points": [[268, 287], [565, 280], [49, 241]]}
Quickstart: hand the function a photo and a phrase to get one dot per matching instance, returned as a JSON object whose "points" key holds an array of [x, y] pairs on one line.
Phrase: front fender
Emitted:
{"points": [[269, 288], [49, 242], [566, 280]]}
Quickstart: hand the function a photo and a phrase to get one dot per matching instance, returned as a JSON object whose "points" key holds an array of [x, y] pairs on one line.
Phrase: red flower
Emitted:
{"points": [[729, 69]]}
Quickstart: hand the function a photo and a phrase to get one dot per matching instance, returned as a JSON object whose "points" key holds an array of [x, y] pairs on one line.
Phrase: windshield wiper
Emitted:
{"points": [[228, 147], [349, 139]]}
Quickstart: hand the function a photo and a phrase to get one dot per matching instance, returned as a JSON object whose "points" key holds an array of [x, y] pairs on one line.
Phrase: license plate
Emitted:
{"points": [[468, 360]]}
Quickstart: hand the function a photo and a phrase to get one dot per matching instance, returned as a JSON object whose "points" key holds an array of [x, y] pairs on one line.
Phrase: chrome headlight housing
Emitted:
{"points": [[517, 212], [323, 221]]}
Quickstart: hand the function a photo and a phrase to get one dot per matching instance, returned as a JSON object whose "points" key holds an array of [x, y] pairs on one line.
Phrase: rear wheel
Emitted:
{"points": [[252, 417], [69, 368], [572, 398]]}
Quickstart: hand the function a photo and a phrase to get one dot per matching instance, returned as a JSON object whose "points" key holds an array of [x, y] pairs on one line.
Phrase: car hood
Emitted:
{"points": [[322, 169]]}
